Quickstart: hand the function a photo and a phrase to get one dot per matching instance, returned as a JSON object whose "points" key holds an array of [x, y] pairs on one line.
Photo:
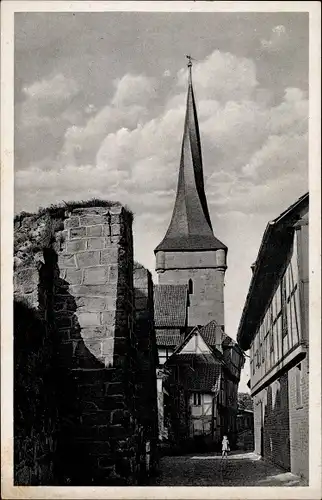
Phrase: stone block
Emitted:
{"points": [[92, 332], [92, 290], [121, 417], [140, 273], [141, 302], [94, 347], [66, 260], [63, 320], [115, 229], [102, 447], [108, 318], [91, 304], [62, 273], [88, 319], [74, 276], [75, 245], [114, 389], [77, 232], [89, 392], [92, 219], [71, 222], [64, 334], [26, 279], [88, 259], [113, 273], [116, 210], [96, 418], [107, 231], [112, 402], [107, 346], [95, 275], [118, 431], [109, 255], [95, 243], [94, 230]]}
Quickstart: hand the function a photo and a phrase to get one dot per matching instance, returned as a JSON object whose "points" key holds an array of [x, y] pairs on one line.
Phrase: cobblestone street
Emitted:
{"points": [[240, 469]]}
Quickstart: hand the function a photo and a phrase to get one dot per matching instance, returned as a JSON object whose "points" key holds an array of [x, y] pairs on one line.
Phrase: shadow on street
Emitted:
{"points": [[239, 469]]}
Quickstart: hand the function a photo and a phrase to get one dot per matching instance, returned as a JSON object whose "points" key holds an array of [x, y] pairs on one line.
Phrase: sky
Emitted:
{"points": [[99, 111]]}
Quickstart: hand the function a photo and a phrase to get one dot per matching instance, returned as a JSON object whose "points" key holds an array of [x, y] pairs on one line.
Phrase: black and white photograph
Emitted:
{"points": [[157, 258]]}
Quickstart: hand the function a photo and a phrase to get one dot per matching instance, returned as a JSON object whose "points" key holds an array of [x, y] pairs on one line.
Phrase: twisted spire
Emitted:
{"points": [[190, 227]]}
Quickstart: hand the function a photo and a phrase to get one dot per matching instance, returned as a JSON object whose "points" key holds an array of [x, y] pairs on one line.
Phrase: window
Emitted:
{"points": [[190, 286], [196, 399], [271, 337], [284, 306], [298, 383], [164, 354]]}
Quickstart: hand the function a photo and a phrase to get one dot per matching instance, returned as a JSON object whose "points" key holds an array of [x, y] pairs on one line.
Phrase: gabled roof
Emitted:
{"points": [[269, 266], [170, 306], [214, 353], [190, 226], [167, 337]]}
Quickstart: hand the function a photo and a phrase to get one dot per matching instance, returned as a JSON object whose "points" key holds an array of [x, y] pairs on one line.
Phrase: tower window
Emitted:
{"points": [[190, 286]]}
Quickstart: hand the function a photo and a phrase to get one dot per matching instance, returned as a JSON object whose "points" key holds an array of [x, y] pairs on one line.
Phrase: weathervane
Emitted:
{"points": [[190, 59]]}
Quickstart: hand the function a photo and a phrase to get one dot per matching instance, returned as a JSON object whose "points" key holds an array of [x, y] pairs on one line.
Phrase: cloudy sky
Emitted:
{"points": [[99, 110]]}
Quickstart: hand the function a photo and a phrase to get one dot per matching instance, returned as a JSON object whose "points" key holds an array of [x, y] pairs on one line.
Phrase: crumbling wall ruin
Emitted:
{"points": [[74, 267]]}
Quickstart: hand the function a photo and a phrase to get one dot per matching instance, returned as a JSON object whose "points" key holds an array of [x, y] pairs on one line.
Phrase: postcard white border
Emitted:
{"points": [[8, 8]]}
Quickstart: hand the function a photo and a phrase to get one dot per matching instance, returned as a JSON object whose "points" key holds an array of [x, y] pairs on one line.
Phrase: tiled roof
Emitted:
{"points": [[170, 305], [198, 372], [203, 378], [212, 332], [169, 337]]}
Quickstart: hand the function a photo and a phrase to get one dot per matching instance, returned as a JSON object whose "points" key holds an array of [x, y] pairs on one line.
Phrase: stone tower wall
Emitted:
{"points": [[207, 298], [76, 270]]}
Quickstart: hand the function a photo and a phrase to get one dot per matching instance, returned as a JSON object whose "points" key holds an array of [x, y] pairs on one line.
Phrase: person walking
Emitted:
{"points": [[225, 447]]}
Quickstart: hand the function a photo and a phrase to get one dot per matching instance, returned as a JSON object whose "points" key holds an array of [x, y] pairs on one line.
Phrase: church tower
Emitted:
{"points": [[190, 253]]}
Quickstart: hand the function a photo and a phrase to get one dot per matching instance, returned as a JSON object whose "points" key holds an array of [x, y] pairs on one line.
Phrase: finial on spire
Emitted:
{"points": [[190, 59]]}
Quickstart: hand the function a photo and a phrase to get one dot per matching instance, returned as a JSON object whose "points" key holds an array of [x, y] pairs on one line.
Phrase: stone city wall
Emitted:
{"points": [[76, 268]]}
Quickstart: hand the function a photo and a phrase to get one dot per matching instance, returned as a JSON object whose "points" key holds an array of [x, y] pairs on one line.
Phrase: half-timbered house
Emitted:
{"points": [[274, 327]]}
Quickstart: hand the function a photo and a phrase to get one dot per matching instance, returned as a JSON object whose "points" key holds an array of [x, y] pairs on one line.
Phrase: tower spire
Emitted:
{"points": [[190, 227]]}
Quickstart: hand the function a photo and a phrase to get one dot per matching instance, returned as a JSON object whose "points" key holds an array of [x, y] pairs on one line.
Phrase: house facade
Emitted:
{"points": [[203, 385], [274, 328]]}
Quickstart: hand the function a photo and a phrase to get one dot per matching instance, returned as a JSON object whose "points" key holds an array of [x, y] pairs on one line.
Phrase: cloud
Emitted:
{"points": [[278, 39], [56, 88], [133, 89], [130, 147], [222, 76]]}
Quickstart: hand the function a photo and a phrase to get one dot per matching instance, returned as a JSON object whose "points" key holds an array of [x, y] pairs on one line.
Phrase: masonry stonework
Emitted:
{"points": [[77, 270], [207, 275], [147, 364], [299, 418]]}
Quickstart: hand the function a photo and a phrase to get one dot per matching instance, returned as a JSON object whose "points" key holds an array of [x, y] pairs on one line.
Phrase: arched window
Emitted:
{"points": [[190, 286]]}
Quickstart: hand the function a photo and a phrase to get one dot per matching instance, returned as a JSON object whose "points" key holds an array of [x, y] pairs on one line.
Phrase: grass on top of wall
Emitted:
{"points": [[58, 211]]}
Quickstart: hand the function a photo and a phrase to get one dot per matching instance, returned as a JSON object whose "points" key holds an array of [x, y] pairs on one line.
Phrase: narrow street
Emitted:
{"points": [[239, 469]]}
